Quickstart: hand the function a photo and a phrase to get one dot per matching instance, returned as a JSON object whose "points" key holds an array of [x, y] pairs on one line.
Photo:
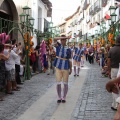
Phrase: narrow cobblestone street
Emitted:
{"points": [[93, 101]]}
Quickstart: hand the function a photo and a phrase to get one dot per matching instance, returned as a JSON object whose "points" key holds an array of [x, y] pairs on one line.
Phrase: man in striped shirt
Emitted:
{"points": [[63, 66]]}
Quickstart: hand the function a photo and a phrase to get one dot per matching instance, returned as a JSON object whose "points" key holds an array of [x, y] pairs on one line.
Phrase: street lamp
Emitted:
{"points": [[27, 23], [31, 20], [113, 17], [26, 10], [112, 9], [22, 17]]}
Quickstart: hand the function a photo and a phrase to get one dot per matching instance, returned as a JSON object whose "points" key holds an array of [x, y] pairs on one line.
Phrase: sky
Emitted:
{"points": [[62, 9]]}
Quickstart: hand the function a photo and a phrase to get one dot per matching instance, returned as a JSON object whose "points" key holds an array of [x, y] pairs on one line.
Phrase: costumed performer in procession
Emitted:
{"points": [[63, 66], [77, 59]]}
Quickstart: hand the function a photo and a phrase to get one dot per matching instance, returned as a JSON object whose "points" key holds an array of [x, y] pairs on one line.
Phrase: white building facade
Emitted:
{"points": [[40, 10], [89, 18]]}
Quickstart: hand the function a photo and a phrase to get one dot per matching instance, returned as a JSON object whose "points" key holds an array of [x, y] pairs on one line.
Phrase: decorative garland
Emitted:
{"points": [[28, 42]]}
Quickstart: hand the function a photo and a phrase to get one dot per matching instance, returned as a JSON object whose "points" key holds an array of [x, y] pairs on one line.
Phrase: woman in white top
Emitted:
{"points": [[10, 68]]}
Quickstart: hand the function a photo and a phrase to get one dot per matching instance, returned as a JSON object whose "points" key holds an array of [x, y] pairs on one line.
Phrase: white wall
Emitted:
{"points": [[39, 10]]}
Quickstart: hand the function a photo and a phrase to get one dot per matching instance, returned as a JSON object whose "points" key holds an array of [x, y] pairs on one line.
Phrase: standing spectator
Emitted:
{"points": [[53, 56], [82, 57], [18, 50], [48, 58], [32, 57], [91, 54], [2, 68], [37, 54], [10, 68], [86, 53], [63, 66], [113, 65]]}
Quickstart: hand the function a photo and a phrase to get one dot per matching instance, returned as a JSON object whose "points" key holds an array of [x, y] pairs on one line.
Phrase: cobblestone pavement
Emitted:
{"points": [[94, 102], [15, 105]]}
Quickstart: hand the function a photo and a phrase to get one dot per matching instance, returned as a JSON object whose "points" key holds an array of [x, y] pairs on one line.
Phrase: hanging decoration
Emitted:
{"points": [[4, 38], [28, 42], [50, 41]]}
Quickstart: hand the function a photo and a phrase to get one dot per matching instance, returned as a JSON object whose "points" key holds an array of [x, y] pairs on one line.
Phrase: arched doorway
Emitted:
{"points": [[8, 11]]}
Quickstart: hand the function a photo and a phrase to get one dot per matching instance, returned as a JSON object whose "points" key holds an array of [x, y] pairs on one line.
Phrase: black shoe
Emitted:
{"points": [[63, 101], [77, 75], [58, 101], [113, 108], [74, 75]]}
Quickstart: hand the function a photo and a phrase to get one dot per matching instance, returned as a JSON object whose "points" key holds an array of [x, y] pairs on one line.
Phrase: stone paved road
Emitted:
{"points": [[15, 105], [94, 102], [31, 91]]}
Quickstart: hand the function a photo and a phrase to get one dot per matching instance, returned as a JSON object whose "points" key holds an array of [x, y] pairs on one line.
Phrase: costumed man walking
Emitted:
{"points": [[77, 59], [63, 66]]}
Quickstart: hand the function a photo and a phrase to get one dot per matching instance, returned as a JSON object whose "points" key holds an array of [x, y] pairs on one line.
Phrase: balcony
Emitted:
{"points": [[46, 25], [97, 6], [86, 4], [91, 11]]}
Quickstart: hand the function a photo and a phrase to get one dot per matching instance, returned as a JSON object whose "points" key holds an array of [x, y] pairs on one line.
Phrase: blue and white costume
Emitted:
{"points": [[78, 54], [65, 53], [77, 59], [62, 64]]}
